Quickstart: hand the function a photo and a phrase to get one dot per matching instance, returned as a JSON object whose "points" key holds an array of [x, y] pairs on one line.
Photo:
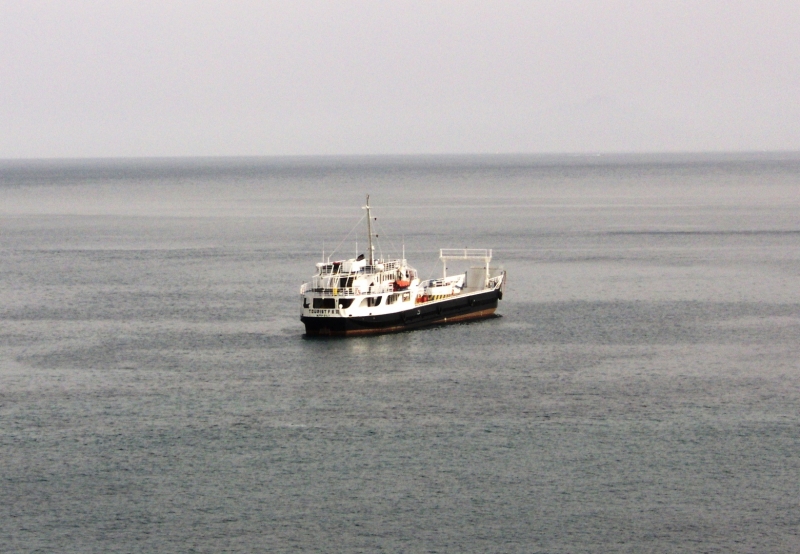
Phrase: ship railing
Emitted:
{"points": [[337, 270], [349, 291], [335, 291], [446, 254], [376, 269], [465, 254], [384, 266]]}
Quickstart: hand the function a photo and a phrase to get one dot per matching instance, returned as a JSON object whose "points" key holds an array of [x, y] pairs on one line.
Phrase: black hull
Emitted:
{"points": [[452, 310]]}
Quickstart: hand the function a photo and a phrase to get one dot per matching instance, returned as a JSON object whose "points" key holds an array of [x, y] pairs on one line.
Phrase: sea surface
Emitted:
{"points": [[639, 393]]}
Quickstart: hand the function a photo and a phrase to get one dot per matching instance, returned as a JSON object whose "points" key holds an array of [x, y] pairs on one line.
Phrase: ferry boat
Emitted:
{"points": [[365, 295]]}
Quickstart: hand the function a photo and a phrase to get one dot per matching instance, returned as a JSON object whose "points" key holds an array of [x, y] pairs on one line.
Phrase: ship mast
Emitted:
{"points": [[369, 234]]}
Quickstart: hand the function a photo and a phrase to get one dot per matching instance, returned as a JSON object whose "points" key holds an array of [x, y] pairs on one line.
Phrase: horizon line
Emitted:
{"points": [[408, 155]]}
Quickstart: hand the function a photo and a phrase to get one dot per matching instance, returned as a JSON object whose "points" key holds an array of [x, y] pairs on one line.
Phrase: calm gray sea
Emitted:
{"points": [[640, 393]]}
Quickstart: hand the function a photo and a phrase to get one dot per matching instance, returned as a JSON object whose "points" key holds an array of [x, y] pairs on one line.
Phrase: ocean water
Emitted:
{"points": [[639, 393]]}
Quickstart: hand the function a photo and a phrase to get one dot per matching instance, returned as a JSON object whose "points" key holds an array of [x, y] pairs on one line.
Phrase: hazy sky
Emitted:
{"points": [[172, 78]]}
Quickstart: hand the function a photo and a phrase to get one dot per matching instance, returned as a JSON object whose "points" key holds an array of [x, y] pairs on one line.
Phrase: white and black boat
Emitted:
{"points": [[365, 295]]}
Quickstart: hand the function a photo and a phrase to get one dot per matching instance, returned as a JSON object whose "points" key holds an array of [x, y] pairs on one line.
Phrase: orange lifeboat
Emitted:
{"points": [[402, 280]]}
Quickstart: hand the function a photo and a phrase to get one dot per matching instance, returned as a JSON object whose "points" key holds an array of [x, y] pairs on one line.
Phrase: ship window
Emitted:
{"points": [[344, 303], [371, 301], [392, 298], [324, 304]]}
